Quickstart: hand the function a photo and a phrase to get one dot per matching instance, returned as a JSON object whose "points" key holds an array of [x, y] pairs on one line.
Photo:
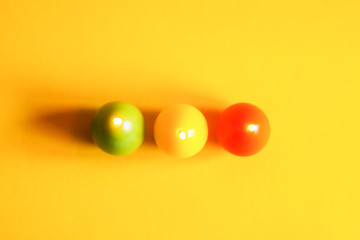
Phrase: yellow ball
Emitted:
{"points": [[181, 130]]}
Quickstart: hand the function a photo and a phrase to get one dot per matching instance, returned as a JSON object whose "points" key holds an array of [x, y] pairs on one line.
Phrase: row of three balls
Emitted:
{"points": [[180, 130]]}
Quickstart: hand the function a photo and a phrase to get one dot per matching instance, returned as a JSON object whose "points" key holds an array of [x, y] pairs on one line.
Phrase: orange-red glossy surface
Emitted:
{"points": [[243, 129]]}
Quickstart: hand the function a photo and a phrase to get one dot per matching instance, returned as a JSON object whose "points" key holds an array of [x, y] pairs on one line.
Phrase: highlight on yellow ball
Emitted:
{"points": [[181, 130]]}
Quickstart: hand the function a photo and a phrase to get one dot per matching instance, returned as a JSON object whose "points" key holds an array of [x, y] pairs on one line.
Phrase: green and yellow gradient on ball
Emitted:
{"points": [[118, 128]]}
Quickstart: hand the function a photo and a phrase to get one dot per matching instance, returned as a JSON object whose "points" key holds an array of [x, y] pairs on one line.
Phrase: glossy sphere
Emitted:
{"points": [[181, 130], [243, 129], [118, 128]]}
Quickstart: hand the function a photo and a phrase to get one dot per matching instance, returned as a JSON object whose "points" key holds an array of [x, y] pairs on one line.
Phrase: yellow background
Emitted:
{"points": [[297, 60]]}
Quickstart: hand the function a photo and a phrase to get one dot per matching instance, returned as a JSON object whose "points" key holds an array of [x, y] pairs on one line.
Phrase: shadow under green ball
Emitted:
{"points": [[118, 128]]}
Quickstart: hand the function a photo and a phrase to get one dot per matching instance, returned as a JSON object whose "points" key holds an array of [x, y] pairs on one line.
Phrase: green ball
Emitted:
{"points": [[118, 128]]}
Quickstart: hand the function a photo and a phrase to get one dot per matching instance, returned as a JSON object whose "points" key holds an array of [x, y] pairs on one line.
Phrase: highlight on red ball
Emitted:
{"points": [[243, 129]]}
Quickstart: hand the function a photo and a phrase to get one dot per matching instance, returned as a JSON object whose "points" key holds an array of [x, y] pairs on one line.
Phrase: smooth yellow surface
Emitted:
{"points": [[181, 130], [297, 60]]}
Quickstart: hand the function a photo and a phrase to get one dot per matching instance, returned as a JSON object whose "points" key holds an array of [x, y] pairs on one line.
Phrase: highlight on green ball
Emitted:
{"points": [[180, 130], [118, 128]]}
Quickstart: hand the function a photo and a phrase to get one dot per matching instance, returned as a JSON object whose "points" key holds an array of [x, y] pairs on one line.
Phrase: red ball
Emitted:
{"points": [[243, 129]]}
